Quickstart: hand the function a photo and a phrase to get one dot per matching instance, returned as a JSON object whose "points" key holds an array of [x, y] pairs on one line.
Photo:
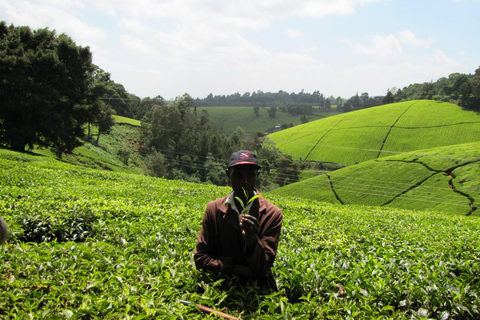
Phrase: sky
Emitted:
{"points": [[338, 47]]}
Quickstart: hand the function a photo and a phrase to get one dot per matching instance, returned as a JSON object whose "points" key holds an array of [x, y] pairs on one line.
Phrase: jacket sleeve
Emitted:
{"points": [[263, 256], [204, 255]]}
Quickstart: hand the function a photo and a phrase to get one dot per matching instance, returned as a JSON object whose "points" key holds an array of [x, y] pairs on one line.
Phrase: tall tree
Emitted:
{"points": [[104, 119], [328, 104], [272, 111], [47, 89], [256, 110], [389, 98], [476, 84], [288, 171]]}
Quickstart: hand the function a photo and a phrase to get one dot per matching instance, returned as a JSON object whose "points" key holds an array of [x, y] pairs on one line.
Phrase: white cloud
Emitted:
{"points": [[440, 59], [169, 47], [254, 11], [320, 8], [133, 25], [390, 45], [381, 47], [136, 45], [409, 38], [292, 33], [54, 14], [375, 78], [207, 33]]}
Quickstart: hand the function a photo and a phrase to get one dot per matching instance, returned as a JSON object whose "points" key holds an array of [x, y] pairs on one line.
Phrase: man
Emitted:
{"points": [[3, 231], [237, 236]]}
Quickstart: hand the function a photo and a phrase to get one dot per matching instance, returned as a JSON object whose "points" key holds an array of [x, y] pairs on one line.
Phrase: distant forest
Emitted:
{"points": [[457, 88]]}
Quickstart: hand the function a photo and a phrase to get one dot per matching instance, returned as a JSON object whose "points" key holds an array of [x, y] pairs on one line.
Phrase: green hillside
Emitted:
{"points": [[227, 119], [380, 131], [116, 151], [123, 120], [96, 244], [445, 179]]}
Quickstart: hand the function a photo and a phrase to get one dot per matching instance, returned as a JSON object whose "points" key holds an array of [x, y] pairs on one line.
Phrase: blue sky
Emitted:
{"points": [[339, 47]]}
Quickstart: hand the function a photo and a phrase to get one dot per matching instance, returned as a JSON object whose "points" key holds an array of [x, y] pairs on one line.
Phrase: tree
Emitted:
{"points": [[256, 110], [119, 99], [288, 171], [389, 98], [339, 101], [104, 120], [214, 171], [272, 111], [476, 84], [155, 163], [328, 104], [47, 89]]}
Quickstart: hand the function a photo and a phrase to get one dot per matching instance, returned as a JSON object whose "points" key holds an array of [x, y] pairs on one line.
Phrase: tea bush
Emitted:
{"points": [[89, 244]]}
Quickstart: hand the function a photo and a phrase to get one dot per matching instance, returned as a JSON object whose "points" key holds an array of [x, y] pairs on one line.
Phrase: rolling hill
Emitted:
{"points": [[444, 179], [382, 131], [227, 119]]}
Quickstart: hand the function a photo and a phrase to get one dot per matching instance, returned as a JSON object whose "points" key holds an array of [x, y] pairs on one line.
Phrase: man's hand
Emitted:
{"points": [[251, 227]]}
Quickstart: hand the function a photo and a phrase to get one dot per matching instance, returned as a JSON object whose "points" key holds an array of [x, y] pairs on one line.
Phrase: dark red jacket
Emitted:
{"points": [[220, 242]]}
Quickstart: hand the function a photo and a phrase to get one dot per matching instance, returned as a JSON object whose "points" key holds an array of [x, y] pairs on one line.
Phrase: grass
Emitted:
{"points": [[227, 119], [380, 131], [122, 120], [443, 179], [96, 244]]}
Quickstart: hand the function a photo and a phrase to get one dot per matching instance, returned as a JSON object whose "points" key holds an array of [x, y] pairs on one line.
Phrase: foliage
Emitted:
{"points": [[123, 103], [121, 246], [379, 131], [183, 139], [443, 179], [272, 111], [458, 88], [363, 101], [287, 172], [155, 163], [49, 89]]}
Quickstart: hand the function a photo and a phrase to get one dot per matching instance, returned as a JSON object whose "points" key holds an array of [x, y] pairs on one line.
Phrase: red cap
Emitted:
{"points": [[243, 157]]}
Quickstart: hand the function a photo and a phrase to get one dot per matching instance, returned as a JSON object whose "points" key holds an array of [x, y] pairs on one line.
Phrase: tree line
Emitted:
{"points": [[260, 98], [458, 88]]}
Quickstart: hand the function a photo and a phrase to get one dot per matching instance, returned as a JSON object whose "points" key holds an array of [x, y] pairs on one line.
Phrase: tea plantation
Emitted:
{"points": [[381, 131], [93, 244], [445, 179]]}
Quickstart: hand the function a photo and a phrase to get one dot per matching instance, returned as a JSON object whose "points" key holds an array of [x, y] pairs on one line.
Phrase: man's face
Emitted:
{"points": [[243, 176]]}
